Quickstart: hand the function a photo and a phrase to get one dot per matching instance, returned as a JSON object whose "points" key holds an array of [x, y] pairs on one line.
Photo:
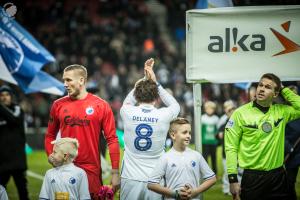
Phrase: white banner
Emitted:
{"points": [[239, 44]]}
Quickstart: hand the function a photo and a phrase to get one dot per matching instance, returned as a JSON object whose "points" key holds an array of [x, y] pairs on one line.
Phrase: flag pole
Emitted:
{"points": [[197, 119], [197, 116]]}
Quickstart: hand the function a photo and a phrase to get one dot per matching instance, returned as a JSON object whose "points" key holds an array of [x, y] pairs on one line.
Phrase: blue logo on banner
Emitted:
{"points": [[11, 51]]}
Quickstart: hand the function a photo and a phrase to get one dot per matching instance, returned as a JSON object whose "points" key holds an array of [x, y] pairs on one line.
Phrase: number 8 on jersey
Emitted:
{"points": [[143, 141]]}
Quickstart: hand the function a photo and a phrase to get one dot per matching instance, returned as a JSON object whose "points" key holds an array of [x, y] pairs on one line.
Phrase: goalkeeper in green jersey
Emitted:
{"points": [[254, 140]]}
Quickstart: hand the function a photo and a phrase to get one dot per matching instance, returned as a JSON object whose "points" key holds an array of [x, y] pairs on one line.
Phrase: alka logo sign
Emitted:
{"points": [[254, 42]]}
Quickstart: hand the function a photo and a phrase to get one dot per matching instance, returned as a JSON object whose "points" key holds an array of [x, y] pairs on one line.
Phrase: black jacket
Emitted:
{"points": [[12, 138], [292, 134]]}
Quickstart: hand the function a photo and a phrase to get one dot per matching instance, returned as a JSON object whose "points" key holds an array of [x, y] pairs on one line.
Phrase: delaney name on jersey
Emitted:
{"points": [[144, 119]]}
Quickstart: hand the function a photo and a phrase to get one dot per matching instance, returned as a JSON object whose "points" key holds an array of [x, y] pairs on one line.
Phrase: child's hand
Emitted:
{"points": [[185, 193], [189, 191]]}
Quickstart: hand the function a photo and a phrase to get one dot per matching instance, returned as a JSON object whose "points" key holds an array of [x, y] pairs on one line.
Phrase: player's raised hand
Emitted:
{"points": [[148, 69], [150, 73], [149, 63]]}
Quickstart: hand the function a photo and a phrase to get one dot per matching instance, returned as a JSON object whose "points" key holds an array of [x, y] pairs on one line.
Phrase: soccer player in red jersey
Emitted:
{"points": [[84, 116]]}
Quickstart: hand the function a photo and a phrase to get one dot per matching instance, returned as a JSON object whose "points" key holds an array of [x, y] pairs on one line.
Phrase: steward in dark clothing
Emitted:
{"points": [[292, 153], [12, 143]]}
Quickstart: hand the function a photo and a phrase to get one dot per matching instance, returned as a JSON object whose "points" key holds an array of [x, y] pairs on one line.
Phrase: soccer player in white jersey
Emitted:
{"points": [[65, 180], [145, 130], [181, 167]]}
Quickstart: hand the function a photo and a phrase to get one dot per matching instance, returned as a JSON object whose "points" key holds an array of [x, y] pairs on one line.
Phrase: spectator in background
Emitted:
{"points": [[12, 143], [84, 116], [292, 151], [209, 133], [229, 106], [251, 92]]}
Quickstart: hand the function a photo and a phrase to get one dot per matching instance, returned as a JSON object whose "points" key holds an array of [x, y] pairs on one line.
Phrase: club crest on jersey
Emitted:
{"points": [[193, 163], [72, 180], [230, 123], [89, 110]]}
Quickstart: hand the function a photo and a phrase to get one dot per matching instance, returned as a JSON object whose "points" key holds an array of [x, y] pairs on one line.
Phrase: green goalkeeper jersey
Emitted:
{"points": [[254, 139]]}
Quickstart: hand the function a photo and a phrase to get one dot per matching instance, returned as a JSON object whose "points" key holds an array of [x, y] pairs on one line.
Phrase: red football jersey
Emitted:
{"points": [[85, 119]]}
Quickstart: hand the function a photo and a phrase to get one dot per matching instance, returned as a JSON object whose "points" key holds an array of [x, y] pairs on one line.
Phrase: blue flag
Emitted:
{"points": [[23, 57], [203, 4], [244, 86]]}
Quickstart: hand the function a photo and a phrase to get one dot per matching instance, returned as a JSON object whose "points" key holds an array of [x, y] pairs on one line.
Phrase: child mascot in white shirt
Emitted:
{"points": [[65, 181], [181, 167]]}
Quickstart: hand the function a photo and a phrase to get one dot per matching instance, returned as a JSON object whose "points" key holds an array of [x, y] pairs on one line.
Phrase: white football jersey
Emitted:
{"points": [[210, 120], [145, 131], [181, 168], [65, 179]]}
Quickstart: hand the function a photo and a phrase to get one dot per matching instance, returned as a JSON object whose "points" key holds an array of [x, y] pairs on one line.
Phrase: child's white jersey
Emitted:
{"points": [[145, 131], [65, 179], [181, 168]]}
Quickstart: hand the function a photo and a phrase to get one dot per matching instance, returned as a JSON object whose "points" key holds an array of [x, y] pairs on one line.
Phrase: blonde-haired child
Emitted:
{"points": [[209, 122], [65, 181]]}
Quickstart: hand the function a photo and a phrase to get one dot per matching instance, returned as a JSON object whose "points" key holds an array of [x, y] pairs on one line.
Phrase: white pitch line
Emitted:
{"points": [[34, 175]]}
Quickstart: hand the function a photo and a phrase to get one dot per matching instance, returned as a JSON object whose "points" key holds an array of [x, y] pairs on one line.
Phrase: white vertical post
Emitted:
{"points": [[197, 116], [197, 119]]}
